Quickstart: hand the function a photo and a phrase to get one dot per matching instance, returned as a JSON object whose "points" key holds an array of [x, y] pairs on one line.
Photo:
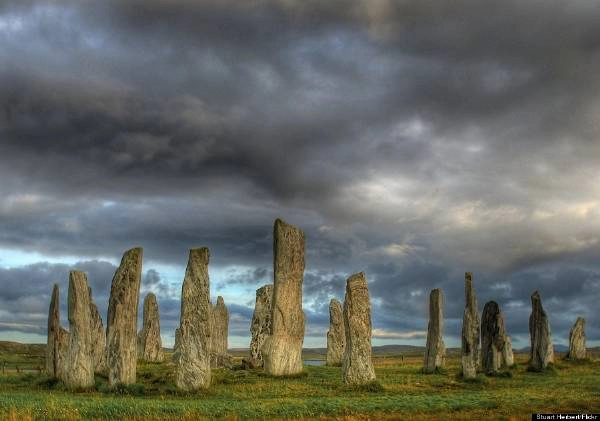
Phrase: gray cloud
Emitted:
{"points": [[413, 140]]}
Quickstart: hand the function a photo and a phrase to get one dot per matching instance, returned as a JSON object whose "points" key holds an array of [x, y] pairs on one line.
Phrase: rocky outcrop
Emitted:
{"points": [[541, 352], [493, 338], [98, 338], [220, 332], [357, 367], [149, 342], [577, 346], [435, 351], [57, 345], [80, 363], [122, 319], [261, 324], [282, 350], [470, 331], [336, 336], [193, 365]]}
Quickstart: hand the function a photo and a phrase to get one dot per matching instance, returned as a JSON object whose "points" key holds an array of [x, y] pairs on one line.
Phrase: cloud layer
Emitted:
{"points": [[413, 140]]}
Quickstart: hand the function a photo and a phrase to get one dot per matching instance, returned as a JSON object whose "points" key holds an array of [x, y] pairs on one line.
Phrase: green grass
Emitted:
{"points": [[401, 390]]}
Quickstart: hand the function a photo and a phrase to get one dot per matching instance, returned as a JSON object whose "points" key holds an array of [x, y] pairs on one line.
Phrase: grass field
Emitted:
{"points": [[403, 392]]}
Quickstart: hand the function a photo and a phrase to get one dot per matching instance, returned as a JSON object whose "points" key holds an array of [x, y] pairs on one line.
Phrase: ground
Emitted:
{"points": [[402, 392]]}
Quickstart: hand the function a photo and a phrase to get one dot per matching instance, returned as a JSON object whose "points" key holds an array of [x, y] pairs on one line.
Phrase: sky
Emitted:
{"points": [[412, 140]]}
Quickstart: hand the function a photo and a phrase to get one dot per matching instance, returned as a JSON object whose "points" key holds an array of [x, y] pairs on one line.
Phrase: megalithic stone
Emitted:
{"points": [[435, 352], [542, 352], [493, 338], [80, 363], [470, 331], [220, 331], [336, 336], [577, 346], [508, 357], [282, 350], [177, 345], [57, 344], [193, 364], [149, 341], [261, 322], [357, 366], [98, 337], [122, 319]]}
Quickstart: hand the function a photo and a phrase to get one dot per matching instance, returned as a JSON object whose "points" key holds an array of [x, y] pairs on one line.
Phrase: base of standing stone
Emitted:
{"points": [[281, 358]]}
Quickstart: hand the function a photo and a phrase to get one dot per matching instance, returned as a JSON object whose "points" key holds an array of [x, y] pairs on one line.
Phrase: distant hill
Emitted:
{"points": [[8, 347]]}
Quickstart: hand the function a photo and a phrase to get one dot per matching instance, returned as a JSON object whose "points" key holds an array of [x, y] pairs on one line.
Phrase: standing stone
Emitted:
{"points": [[80, 363], [508, 358], [493, 338], [336, 336], [261, 323], [57, 345], [220, 331], [542, 352], [435, 352], [470, 331], [98, 338], [122, 319], [149, 342], [282, 350], [357, 367], [577, 348], [176, 347], [193, 364]]}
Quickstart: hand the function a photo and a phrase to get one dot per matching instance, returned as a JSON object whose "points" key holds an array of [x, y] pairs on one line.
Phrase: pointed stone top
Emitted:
{"points": [[536, 296], [356, 279], [334, 303], [55, 292], [220, 301], [468, 276], [265, 289], [580, 320], [492, 304], [200, 253]]}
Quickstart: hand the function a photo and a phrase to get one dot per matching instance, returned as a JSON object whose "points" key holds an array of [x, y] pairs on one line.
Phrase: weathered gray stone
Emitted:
{"points": [[508, 358], [122, 319], [220, 332], [357, 366], [542, 352], [149, 341], [577, 346], [261, 324], [435, 351], [470, 331], [336, 336], [282, 350], [493, 338], [98, 338], [57, 345], [193, 365], [176, 346], [80, 363]]}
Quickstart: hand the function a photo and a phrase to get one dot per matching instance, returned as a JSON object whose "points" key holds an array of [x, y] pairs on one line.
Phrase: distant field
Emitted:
{"points": [[318, 393]]}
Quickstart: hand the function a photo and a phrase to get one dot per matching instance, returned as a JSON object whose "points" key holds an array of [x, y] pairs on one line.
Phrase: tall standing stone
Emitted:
{"points": [[177, 345], [149, 342], [193, 363], [357, 366], [261, 322], [577, 347], [336, 336], [57, 345], [493, 338], [122, 319], [98, 338], [282, 350], [542, 352], [435, 352], [220, 332], [470, 331], [508, 357], [80, 363]]}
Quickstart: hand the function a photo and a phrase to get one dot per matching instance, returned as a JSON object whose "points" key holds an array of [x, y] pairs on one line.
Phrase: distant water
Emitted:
{"points": [[314, 362]]}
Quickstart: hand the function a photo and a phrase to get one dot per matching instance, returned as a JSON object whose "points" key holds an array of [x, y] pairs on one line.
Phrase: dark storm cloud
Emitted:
{"points": [[413, 140]]}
